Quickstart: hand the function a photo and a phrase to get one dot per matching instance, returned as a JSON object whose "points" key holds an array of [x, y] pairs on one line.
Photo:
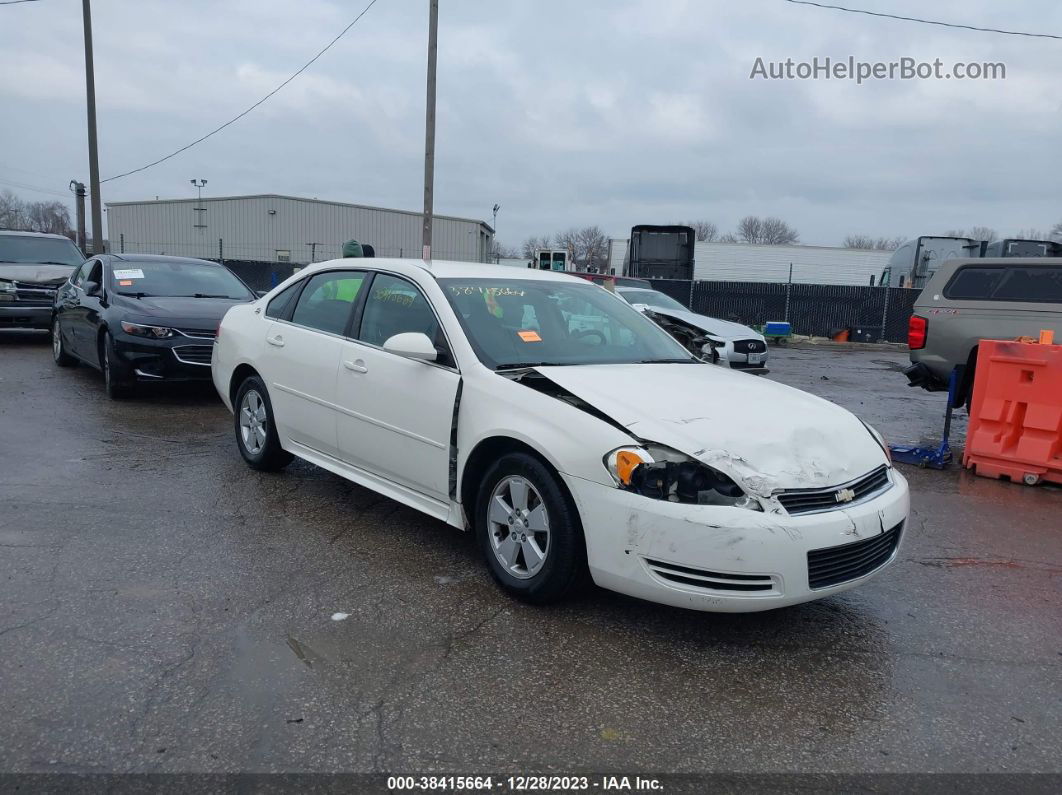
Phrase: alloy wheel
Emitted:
{"points": [[519, 527], [253, 422], [57, 342]]}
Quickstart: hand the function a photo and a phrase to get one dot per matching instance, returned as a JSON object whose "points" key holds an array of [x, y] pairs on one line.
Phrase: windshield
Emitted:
{"points": [[514, 322], [176, 279], [649, 297], [19, 250]]}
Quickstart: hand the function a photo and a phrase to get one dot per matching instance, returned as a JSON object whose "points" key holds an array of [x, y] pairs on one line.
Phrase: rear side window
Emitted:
{"points": [[280, 306], [1039, 284], [326, 302]]}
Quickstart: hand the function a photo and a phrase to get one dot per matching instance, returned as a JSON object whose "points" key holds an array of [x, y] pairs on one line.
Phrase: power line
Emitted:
{"points": [[925, 21], [255, 105], [34, 188], [15, 2]]}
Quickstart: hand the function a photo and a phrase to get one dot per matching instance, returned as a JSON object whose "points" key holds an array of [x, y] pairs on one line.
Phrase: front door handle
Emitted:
{"points": [[276, 340], [358, 365]]}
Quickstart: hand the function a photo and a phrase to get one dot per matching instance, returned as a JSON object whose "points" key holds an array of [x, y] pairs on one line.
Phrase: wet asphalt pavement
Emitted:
{"points": [[165, 608]]}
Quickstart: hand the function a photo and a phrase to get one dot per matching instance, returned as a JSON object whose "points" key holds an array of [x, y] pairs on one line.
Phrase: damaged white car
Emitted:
{"points": [[721, 342], [565, 429]]}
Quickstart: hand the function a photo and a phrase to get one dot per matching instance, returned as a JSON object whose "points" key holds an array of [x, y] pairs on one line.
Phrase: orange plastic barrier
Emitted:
{"points": [[1016, 414]]}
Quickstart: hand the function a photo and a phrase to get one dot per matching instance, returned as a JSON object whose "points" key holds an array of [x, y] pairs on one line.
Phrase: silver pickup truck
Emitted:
{"points": [[968, 300]]}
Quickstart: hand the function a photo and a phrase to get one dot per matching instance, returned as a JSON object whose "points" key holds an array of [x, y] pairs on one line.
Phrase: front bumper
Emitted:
{"points": [[16, 315], [175, 359], [747, 561], [751, 362]]}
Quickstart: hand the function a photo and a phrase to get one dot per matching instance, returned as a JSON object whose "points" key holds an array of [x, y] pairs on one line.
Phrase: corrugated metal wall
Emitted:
{"points": [[265, 227], [811, 264]]}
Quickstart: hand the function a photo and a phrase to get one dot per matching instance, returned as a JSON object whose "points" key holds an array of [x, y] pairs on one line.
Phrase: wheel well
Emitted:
{"points": [[100, 332], [485, 453], [964, 394], [239, 375]]}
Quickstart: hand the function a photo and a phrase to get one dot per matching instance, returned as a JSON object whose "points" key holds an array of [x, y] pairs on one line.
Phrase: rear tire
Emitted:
{"points": [[116, 380], [62, 358], [256, 431], [529, 530]]}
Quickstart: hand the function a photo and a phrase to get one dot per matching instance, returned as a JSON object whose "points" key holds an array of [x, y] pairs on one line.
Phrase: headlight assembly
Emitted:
{"points": [[664, 474], [154, 332]]}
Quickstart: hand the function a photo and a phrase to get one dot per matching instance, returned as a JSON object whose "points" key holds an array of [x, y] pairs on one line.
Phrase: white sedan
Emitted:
{"points": [[566, 430]]}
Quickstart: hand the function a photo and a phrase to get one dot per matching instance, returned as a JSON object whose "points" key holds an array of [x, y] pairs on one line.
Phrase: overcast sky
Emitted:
{"points": [[608, 112]]}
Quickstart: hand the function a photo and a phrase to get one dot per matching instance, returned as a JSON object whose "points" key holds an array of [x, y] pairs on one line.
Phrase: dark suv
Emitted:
{"points": [[32, 266]]}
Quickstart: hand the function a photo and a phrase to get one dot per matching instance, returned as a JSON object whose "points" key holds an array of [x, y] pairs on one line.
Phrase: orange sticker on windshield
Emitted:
{"points": [[125, 283], [529, 336]]}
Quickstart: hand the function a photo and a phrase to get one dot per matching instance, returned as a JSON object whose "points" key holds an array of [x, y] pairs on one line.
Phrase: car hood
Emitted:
{"points": [[722, 329], [194, 313], [46, 275], [766, 435]]}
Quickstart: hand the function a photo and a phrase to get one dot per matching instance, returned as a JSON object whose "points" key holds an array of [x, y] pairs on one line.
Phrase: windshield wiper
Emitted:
{"points": [[526, 365], [202, 295], [137, 295], [668, 361]]}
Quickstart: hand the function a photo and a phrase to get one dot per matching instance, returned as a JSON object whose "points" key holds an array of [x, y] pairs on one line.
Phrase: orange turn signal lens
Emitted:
{"points": [[626, 462]]}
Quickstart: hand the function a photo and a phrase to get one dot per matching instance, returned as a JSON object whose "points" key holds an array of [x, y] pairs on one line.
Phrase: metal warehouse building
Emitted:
{"points": [[273, 228]]}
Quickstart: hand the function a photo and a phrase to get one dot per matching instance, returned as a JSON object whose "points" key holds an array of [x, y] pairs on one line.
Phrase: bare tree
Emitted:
{"points": [[1056, 232], [1032, 233], [569, 241], [591, 247], [533, 244], [729, 237], [777, 232], [705, 231], [872, 243], [974, 233], [52, 217], [502, 251], [750, 229]]}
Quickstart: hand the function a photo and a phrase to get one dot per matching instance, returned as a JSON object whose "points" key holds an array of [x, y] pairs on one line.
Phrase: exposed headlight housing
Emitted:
{"points": [[154, 332], [661, 473], [7, 287]]}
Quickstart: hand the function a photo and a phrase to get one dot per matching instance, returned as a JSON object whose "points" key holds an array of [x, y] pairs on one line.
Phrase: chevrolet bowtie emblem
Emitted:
{"points": [[844, 495]]}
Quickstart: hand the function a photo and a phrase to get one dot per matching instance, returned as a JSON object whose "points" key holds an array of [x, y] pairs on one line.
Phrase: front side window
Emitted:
{"points": [[396, 306], [326, 302], [82, 273], [514, 322], [176, 279], [280, 305]]}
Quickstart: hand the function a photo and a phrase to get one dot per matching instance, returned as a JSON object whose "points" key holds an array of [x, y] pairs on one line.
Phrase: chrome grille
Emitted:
{"points": [[710, 580], [835, 565], [194, 354], [200, 333], [798, 501]]}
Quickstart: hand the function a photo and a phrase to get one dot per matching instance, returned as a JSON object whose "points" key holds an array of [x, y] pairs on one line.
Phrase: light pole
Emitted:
{"points": [[429, 125], [94, 163], [199, 185], [79, 191], [494, 225]]}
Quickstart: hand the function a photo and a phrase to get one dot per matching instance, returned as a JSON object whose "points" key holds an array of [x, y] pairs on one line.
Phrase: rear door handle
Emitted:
{"points": [[276, 340], [358, 365]]}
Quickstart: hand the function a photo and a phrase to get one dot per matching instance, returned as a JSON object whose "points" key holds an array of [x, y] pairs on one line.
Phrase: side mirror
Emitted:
{"points": [[92, 288], [412, 345]]}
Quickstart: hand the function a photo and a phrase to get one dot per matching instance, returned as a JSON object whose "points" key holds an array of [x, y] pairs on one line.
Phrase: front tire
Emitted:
{"points": [[116, 380], [62, 358], [529, 530], [256, 431]]}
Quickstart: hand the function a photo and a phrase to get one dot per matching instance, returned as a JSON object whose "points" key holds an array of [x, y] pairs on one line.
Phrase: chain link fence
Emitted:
{"points": [[873, 314]]}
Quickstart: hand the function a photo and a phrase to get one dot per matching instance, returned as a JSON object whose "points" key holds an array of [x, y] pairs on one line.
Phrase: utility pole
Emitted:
{"points": [[200, 209], [494, 225], [94, 163], [429, 125], [79, 191]]}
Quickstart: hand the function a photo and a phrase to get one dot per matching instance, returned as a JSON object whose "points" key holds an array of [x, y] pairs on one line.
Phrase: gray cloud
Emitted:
{"points": [[612, 113]]}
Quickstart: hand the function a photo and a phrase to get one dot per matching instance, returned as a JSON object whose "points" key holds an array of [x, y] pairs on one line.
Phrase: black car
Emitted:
{"points": [[139, 317]]}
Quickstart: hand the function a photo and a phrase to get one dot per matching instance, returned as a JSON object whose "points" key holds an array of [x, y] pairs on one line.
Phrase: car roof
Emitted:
{"points": [[14, 232], [442, 269], [115, 258]]}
